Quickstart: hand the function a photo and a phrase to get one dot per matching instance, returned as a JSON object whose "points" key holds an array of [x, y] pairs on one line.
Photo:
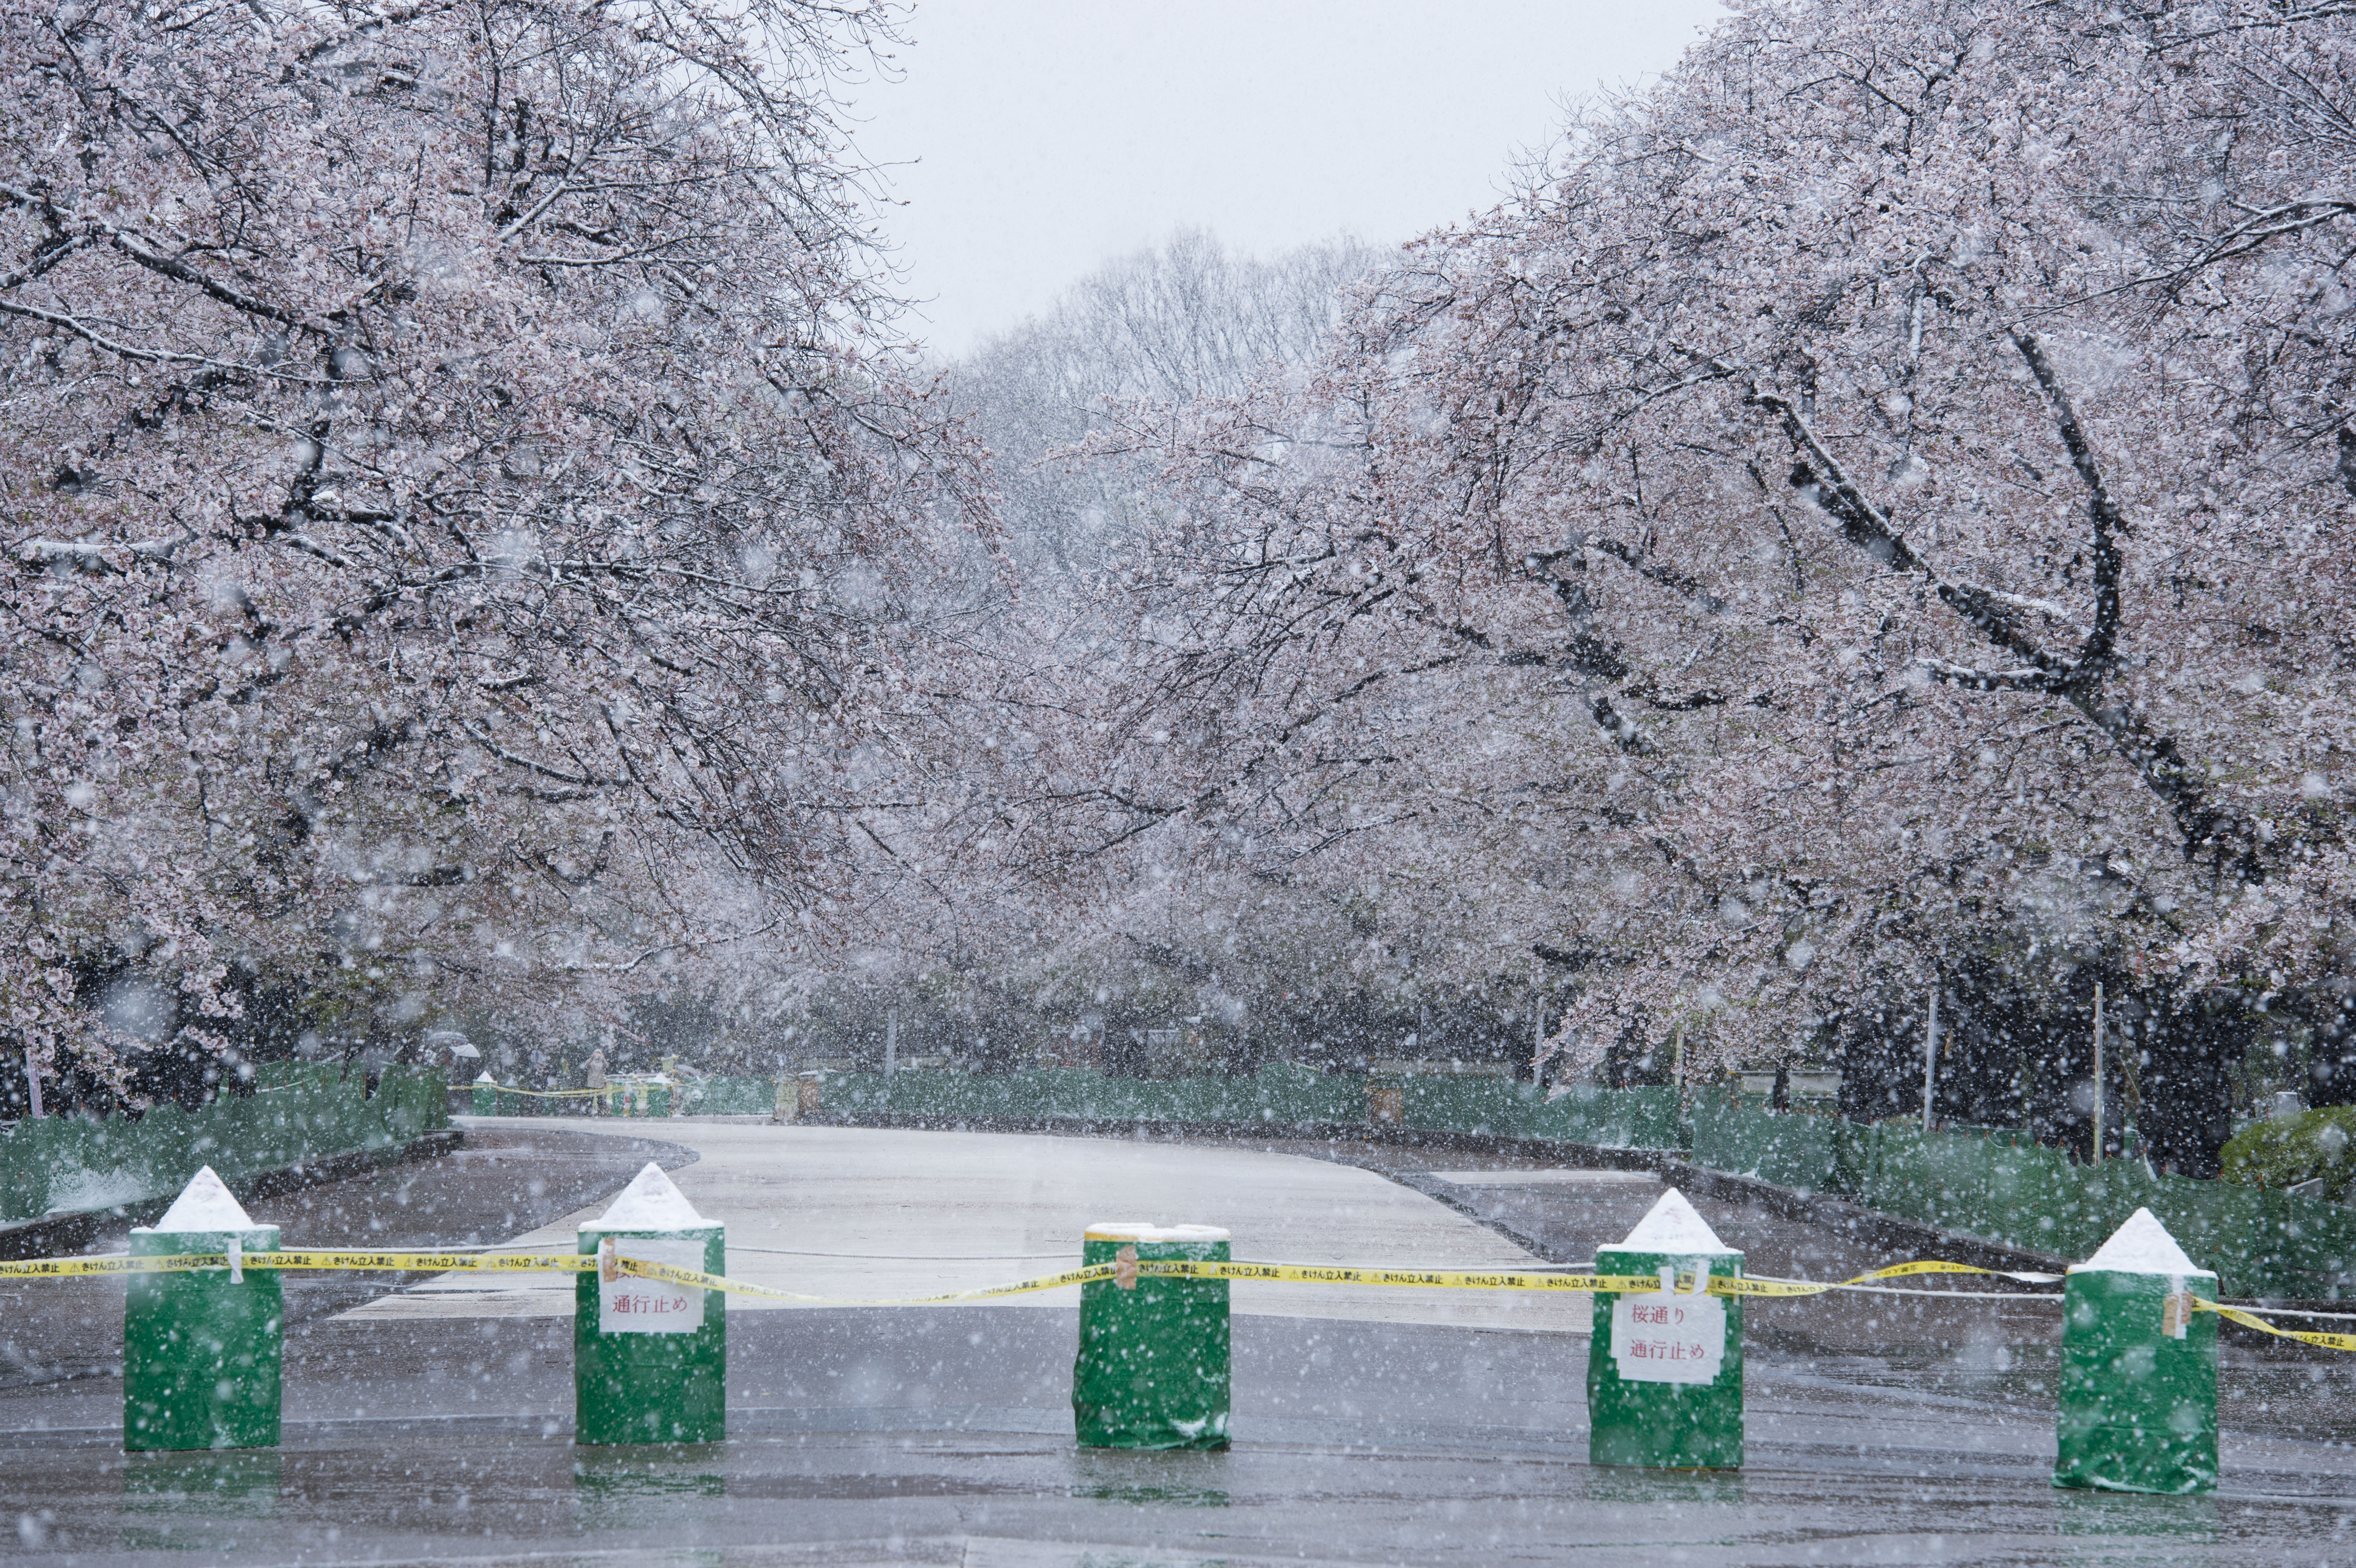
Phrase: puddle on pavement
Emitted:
{"points": [[668, 1473], [614, 1489], [1152, 1495], [2127, 1514], [1175, 1479], [198, 1501], [1664, 1489]]}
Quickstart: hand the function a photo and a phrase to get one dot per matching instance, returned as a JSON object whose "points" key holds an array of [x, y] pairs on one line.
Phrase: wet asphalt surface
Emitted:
{"points": [[1899, 1430]]}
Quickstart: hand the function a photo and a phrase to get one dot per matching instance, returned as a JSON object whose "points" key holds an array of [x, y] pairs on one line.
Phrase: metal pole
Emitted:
{"points": [[33, 1077], [1930, 1060], [891, 1039], [2098, 1073]]}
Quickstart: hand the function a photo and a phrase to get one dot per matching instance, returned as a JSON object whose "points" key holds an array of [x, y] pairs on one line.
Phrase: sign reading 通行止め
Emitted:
{"points": [[628, 1303], [1663, 1338]]}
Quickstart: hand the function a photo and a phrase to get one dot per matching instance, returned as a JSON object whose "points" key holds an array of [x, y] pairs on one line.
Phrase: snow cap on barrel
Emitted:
{"points": [[1146, 1230], [650, 1202], [206, 1203], [2142, 1245], [1671, 1226]]}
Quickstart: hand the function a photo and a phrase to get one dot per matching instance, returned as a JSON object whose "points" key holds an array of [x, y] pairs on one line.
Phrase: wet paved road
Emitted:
{"points": [[1881, 1435], [856, 1213]]}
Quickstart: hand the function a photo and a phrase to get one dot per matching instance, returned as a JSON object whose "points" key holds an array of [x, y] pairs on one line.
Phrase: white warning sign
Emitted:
{"points": [[1662, 1339], [628, 1303]]}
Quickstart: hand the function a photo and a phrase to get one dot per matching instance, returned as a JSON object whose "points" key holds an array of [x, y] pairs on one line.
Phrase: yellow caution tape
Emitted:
{"points": [[329, 1260], [360, 1262], [1771, 1287], [57, 1268], [2249, 1320], [344, 1261], [1323, 1274], [338, 1260], [1429, 1279], [1124, 1271], [425, 1263], [694, 1278], [1460, 1279], [1178, 1268]]}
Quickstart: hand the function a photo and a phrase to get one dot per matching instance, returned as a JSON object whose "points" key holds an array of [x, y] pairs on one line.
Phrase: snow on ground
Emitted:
{"points": [[873, 1212]]}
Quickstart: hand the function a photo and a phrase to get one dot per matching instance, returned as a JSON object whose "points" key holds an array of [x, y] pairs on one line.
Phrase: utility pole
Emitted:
{"points": [[33, 1077], [891, 1039], [1930, 1059], [2098, 1073]]}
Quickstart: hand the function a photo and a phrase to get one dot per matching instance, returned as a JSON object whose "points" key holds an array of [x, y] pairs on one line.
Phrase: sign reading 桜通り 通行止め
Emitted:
{"points": [[1664, 1339]]}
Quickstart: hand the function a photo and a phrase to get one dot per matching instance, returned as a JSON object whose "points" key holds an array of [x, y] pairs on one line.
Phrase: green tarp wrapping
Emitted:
{"points": [[1666, 1426], [1665, 1368], [1153, 1368], [2138, 1406], [202, 1352], [649, 1358], [639, 1374]]}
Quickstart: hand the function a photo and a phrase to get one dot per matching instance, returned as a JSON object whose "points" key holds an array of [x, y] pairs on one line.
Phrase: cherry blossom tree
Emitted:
{"points": [[1015, 916], [1879, 494], [471, 525]]}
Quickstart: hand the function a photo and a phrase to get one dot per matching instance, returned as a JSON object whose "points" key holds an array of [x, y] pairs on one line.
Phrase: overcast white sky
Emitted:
{"points": [[1043, 137]]}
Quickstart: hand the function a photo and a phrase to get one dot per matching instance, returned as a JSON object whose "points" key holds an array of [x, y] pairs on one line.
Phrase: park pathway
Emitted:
{"points": [[860, 1214]]}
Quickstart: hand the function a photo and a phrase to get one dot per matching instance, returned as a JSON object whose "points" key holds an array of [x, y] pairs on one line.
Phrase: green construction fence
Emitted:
{"points": [[726, 1097], [2002, 1186], [1284, 1093], [689, 1097], [298, 1113]]}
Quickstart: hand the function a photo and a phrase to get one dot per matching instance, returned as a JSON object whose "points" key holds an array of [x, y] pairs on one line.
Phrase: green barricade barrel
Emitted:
{"points": [[2139, 1367], [201, 1348], [658, 1097], [1665, 1368], [650, 1359], [486, 1096], [1152, 1369]]}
